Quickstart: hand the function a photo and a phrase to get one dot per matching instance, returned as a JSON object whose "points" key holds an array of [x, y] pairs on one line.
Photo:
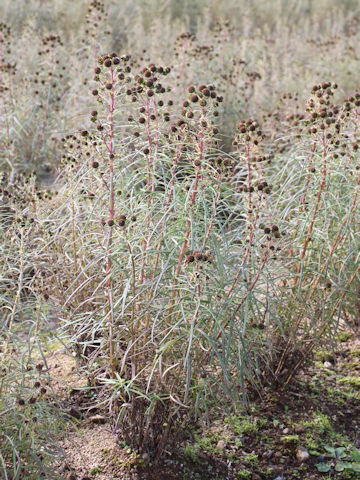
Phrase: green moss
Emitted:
{"points": [[336, 395], [324, 356], [208, 444], [313, 444], [268, 473], [244, 475], [344, 336], [238, 442], [191, 452], [320, 424], [341, 396], [351, 366], [245, 425], [252, 460], [129, 462], [233, 457], [351, 381], [290, 439]]}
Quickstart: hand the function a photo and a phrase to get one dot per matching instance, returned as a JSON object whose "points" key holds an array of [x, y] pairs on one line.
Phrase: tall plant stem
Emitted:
{"points": [[111, 151], [316, 209]]}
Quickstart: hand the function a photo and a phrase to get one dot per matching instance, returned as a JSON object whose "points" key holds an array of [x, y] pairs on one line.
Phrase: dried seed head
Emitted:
{"points": [[198, 256], [121, 220]]}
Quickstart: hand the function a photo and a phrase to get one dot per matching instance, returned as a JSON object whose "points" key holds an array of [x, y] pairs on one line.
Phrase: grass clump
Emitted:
{"points": [[30, 423]]}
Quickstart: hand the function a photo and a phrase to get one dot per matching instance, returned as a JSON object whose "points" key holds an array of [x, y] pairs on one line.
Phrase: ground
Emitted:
{"points": [[284, 437]]}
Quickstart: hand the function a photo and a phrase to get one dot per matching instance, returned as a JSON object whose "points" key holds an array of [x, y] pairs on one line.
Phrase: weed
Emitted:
{"points": [[340, 461]]}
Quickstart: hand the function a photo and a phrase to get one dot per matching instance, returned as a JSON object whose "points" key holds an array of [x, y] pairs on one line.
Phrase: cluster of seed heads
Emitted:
{"points": [[271, 230], [5, 45], [249, 131], [198, 256]]}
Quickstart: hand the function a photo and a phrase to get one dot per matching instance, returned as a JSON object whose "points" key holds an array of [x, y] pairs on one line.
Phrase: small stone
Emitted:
{"points": [[221, 445], [279, 478], [255, 476], [99, 419], [300, 429], [302, 454], [328, 364], [286, 431], [277, 457], [267, 455]]}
